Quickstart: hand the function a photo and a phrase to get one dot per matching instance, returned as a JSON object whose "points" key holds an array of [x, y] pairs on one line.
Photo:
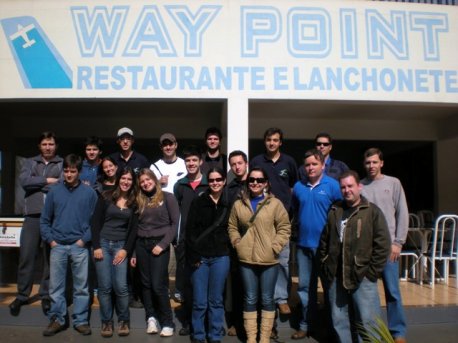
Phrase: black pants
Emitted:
{"points": [[155, 281], [31, 246]]}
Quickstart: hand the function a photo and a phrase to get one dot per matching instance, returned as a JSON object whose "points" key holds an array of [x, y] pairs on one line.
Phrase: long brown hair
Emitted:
{"points": [[131, 194], [143, 201]]}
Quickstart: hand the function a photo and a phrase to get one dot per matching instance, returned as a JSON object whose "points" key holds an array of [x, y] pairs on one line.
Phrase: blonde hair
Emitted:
{"points": [[143, 201]]}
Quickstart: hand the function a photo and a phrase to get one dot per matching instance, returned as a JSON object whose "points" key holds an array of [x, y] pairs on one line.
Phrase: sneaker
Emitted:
{"points": [[153, 326], [167, 331], [53, 327], [123, 328], [177, 297], [107, 329], [83, 329]]}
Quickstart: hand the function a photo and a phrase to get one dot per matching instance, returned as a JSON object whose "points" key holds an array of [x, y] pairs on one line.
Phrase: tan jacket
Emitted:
{"points": [[265, 237]]}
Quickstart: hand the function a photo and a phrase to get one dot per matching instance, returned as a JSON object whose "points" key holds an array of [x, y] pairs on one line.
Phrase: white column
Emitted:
{"points": [[237, 124]]}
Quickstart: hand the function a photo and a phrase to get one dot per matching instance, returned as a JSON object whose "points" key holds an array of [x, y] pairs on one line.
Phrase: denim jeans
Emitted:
{"points": [[255, 277], [208, 281], [308, 284], [155, 280], [283, 285], [394, 310], [78, 257], [112, 278], [365, 303]]}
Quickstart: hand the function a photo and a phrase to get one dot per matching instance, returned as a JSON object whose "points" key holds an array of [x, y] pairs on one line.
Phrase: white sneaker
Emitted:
{"points": [[153, 326], [167, 331]]}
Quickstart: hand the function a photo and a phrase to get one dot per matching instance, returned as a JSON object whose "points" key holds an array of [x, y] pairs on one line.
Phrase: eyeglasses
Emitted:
{"points": [[322, 143], [256, 179], [216, 179]]}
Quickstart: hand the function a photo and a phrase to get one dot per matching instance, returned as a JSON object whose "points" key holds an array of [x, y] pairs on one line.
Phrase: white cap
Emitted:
{"points": [[125, 131]]}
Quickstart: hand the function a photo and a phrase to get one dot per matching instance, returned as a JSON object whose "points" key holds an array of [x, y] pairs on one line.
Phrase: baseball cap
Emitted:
{"points": [[125, 131], [167, 136]]}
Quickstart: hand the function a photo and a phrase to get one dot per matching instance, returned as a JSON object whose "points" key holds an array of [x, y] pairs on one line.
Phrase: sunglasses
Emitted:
{"points": [[322, 143], [256, 179], [216, 179]]}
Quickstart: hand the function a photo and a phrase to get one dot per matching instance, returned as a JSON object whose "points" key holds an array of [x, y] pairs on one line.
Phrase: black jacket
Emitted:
{"points": [[203, 214]]}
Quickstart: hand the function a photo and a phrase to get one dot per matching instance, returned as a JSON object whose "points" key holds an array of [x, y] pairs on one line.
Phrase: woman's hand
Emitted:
{"points": [[119, 257], [133, 262], [157, 250], [98, 254]]}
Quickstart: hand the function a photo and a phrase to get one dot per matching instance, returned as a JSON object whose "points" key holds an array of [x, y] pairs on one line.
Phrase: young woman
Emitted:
{"points": [[207, 251], [157, 227], [259, 228], [107, 179], [113, 237]]}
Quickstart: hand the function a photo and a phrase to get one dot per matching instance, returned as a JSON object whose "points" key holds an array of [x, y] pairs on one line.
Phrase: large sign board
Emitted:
{"points": [[216, 49]]}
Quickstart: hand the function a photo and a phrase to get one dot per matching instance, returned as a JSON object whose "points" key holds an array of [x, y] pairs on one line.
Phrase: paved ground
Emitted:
{"points": [[424, 333]]}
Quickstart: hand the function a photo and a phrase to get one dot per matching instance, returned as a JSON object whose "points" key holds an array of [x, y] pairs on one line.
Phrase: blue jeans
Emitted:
{"points": [[364, 300], [308, 284], [112, 278], [208, 281], [255, 277], [283, 284], [394, 310], [78, 257]]}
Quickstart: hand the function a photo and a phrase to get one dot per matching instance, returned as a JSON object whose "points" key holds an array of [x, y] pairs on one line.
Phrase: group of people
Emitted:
{"points": [[231, 239]]}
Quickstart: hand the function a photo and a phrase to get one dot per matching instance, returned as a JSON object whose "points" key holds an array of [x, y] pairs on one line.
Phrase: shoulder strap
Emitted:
{"points": [[155, 166], [212, 227], [253, 217]]}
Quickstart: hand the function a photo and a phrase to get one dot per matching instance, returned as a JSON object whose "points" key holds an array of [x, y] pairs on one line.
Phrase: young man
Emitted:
{"points": [[170, 168], [353, 251], [333, 168], [36, 177], [127, 157], [65, 226], [213, 156], [282, 171], [238, 162], [311, 202], [93, 152], [387, 193], [185, 190]]}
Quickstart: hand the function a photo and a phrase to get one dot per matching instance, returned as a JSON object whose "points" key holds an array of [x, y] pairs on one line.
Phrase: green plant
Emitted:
{"points": [[375, 332]]}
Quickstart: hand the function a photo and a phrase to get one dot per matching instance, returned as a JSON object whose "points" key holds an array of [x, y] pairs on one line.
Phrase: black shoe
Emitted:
{"points": [[15, 306], [184, 331], [83, 329], [53, 327], [135, 303], [45, 305]]}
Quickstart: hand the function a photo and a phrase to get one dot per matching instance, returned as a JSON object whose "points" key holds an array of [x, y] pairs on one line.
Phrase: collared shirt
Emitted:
{"points": [[311, 205], [282, 175]]}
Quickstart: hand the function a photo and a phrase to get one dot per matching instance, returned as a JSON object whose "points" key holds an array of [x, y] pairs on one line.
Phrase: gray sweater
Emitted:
{"points": [[388, 194]]}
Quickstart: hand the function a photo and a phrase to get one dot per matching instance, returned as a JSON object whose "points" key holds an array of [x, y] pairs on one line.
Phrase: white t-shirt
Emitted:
{"points": [[175, 171]]}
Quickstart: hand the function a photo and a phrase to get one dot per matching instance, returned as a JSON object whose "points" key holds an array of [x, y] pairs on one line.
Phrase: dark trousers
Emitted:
{"points": [[155, 281], [31, 246]]}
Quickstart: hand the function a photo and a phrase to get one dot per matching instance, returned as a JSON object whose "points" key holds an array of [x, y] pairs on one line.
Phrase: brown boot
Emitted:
{"points": [[267, 322], [250, 322]]}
